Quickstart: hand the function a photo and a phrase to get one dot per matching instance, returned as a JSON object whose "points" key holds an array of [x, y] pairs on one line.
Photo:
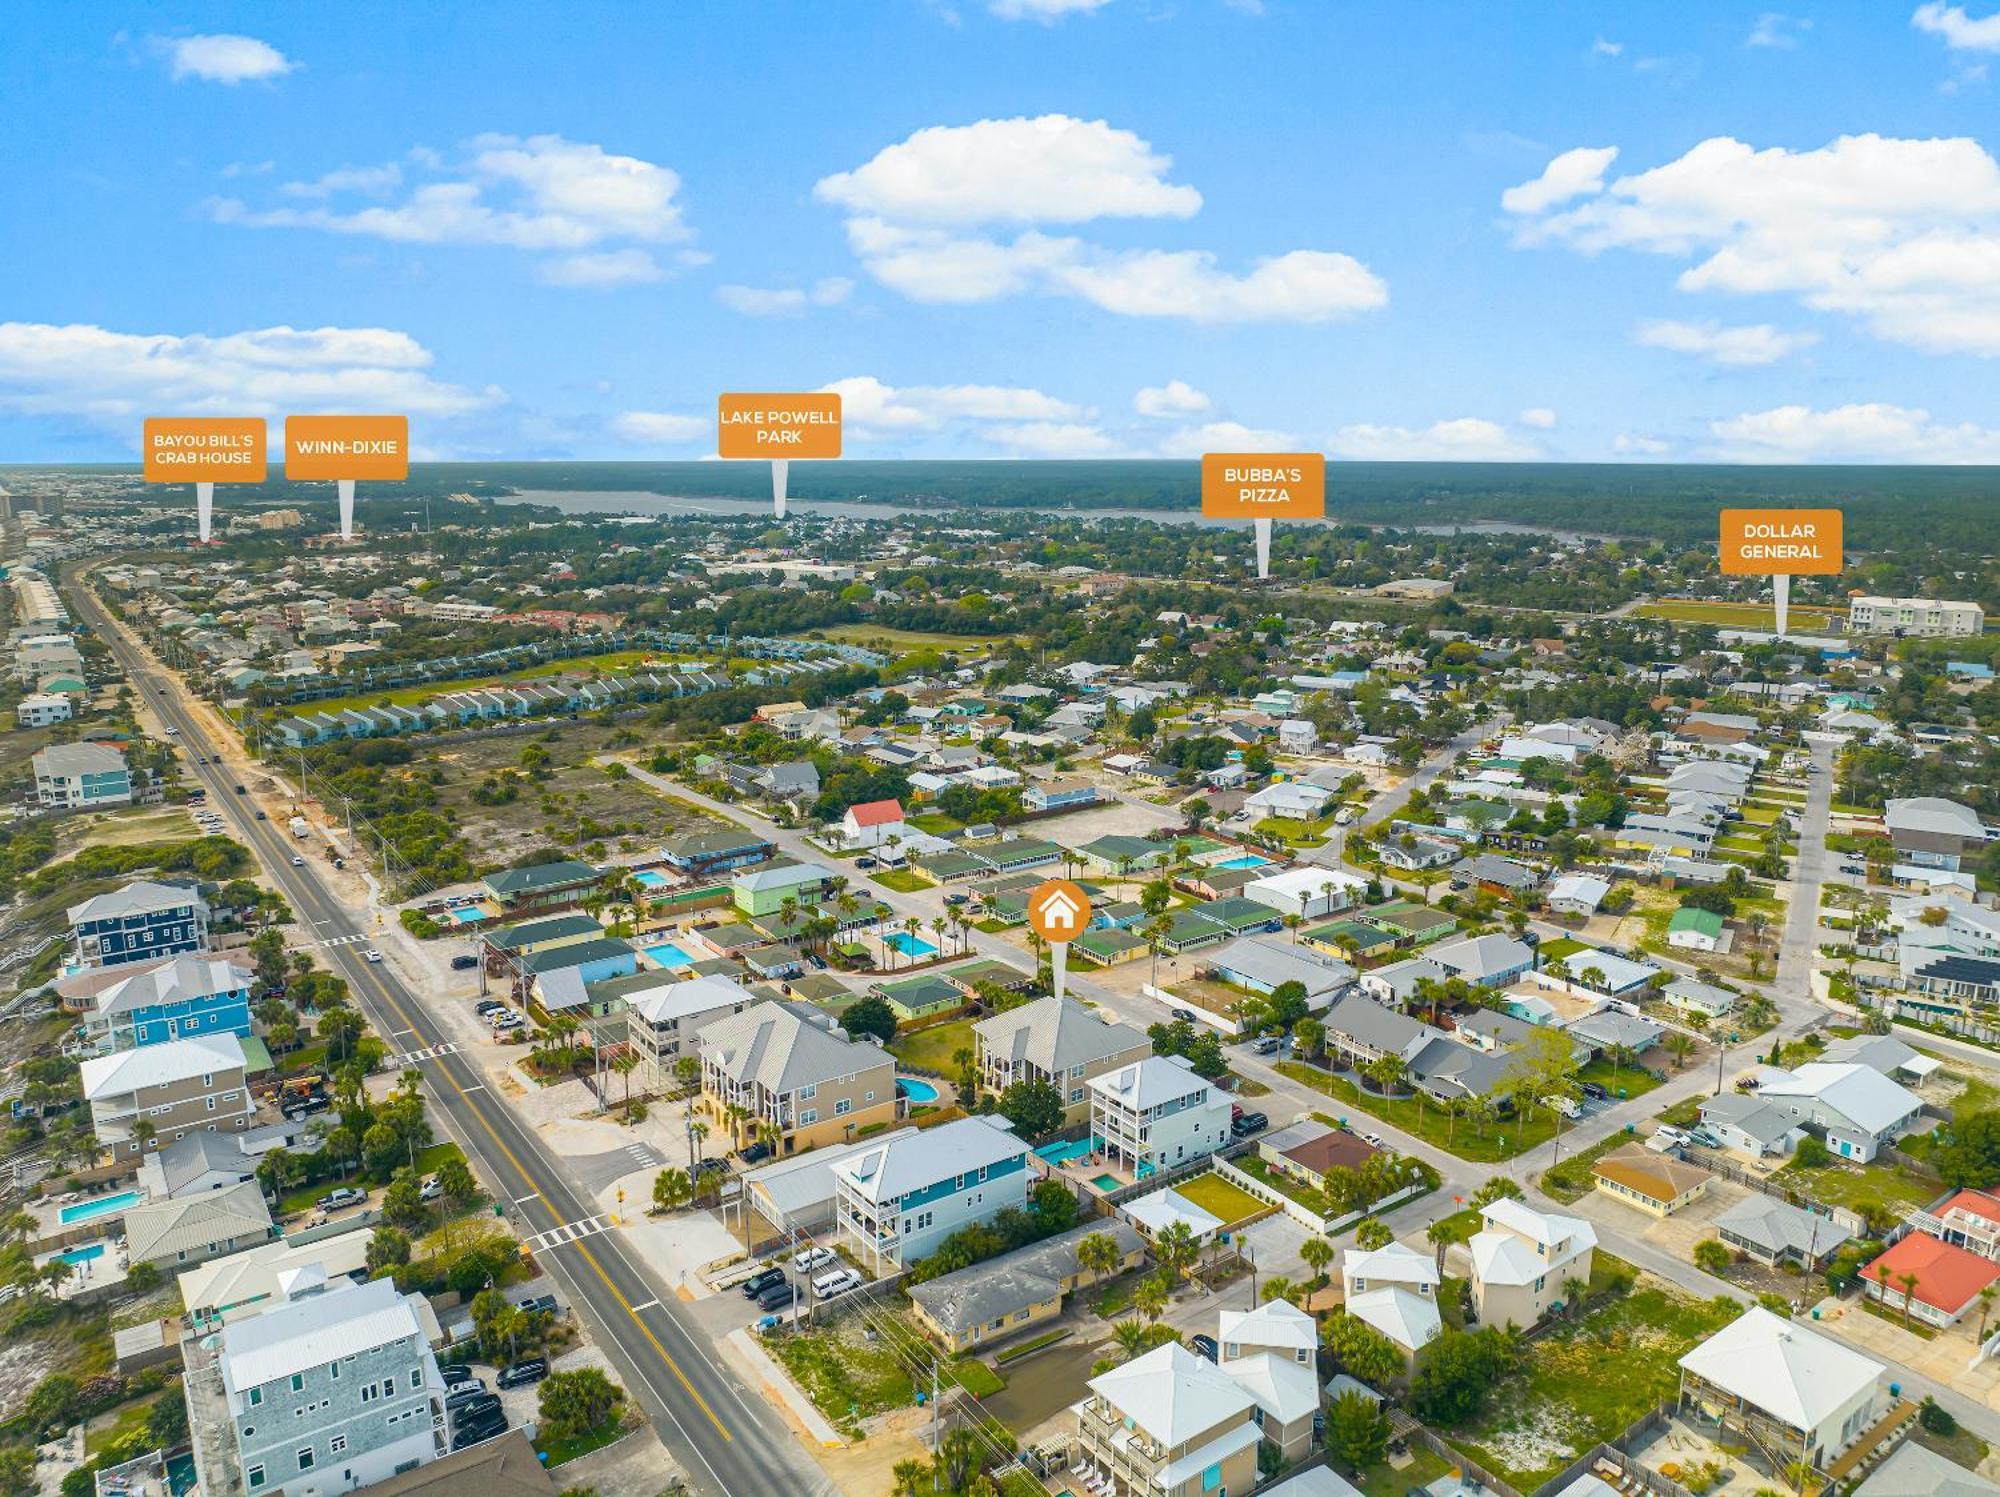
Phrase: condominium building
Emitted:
{"points": [[173, 999], [897, 1201], [1925, 618], [179, 1087], [82, 777], [1059, 1041], [796, 1072], [1156, 1114], [1170, 1424], [139, 923], [663, 1015]]}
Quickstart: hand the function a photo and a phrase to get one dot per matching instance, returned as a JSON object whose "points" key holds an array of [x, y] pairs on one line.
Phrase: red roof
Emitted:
{"points": [[1948, 1278], [876, 812], [1973, 1203]]}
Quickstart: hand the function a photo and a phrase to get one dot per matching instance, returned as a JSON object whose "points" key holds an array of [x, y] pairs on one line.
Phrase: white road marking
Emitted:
{"points": [[590, 1226], [433, 1052], [651, 1304]]}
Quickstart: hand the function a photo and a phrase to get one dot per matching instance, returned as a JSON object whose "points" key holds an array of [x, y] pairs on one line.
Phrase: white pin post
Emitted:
{"points": [[780, 470], [204, 510], [1781, 595], [1263, 529], [1059, 963], [1058, 912], [759, 427], [346, 487], [204, 451], [1263, 487]]}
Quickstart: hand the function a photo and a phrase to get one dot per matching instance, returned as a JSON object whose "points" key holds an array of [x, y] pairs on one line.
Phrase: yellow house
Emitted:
{"points": [[1006, 1296], [768, 1073], [1657, 1184]]}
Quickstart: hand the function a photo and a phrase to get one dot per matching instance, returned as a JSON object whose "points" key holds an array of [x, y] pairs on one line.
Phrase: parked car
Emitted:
{"points": [[533, 1370], [1373, 1140], [464, 962], [490, 1428], [339, 1200], [1267, 1044], [430, 1190], [1249, 1123], [754, 1152], [455, 1372], [763, 1279], [805, 1260], [1184, 1016], [479, 1409], [455, 1394], [836, 1282], [780, 1296], [1595, 1090], [487, 1006], [864, 863], [541, 1304], [1204, 1346]]}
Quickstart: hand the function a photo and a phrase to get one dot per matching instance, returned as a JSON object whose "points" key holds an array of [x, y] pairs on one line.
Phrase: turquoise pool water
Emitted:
{"points": [[1106, 1182], [651, 878], [915, 1090], [666, 955], [90, 1210], [468, 915], [1244, 860], [1063, 1153], [910, 945], [83, 1254]]}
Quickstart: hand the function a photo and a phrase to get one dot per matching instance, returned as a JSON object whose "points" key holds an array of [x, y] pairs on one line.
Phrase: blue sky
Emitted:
{"points": [[1013, 227]]}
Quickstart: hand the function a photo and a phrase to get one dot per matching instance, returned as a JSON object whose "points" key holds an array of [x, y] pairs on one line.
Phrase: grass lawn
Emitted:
{"points": [[937, 823], [849, 1374], [1586, 1381], [902, 880], [875, 637], [559, 1451], [1731, 615], [131, 1419], [1502, 1140], [1627, 1080], [1861, 1187], [932, 1048], [1562, 950], [1221, 1198], [1571, 1179], [1296, 833], [1424, 1467]]}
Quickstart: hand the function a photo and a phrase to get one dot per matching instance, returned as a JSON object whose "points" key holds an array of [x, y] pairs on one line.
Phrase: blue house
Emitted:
{"points": [[141, 922], [898, 1200], [177, 999]]}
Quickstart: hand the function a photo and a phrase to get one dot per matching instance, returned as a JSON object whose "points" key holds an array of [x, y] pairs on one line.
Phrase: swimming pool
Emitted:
{"points": [[1107, 1182], [910, 945], [90, 1210], [667, 955], [1063, 1153], [466, 914], [83, 1254], [1244, 860], [915, 1090], [650, 878]]}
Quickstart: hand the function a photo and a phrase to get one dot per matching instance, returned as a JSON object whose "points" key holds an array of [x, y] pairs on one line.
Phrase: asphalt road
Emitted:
{"points": [[726, 1439]]}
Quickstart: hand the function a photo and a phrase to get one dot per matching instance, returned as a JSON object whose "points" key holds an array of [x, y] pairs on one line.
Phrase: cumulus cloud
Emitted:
{"points": [[1540, 417], [1903, 235], [1605, 47], [954, 214], [662, 428], [1758, 343], [223, 57], [541, 194], [1228, 436], [1052, 439], [784, 301], [1633, 444], [1048, 12], [1871, 433], [1570, 175], [1174, 398], [1466, 439], [1961, 33], [114, 379], [1776, 29], [872, 407]]}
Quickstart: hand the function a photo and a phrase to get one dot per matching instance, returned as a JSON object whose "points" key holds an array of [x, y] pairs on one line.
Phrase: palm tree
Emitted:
{"points": [[1277, 1287], [1132, 1338], [1155, 931], [1149, 1297], [1317, 1253], [1097, 1255], [1292, 924], [1679, 1046], [143, 1134], [1440, 1236], [1372, 1234], [1985, 1309], [626, 1063], [1574, 1292], [1909, 1283]]}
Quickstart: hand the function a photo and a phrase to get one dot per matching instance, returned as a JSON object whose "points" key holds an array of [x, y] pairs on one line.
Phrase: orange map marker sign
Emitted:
{"points": [[778, 427], [205, 451], [1262, 487], [1782, 544], [1058, 912], [344, 449]]}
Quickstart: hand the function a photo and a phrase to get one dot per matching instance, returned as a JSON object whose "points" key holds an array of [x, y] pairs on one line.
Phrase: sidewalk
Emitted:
{"points": [[771, 1379]]}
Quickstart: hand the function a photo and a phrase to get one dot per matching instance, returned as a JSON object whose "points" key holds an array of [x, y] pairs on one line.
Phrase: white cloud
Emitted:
{"points": [[1601, 47], [1051, 169], [541, 194], [662, 428], [785, 301], [1776, 29], [603, 269], [372, 181], [1872, 433], [871, 406], [1052, 439], [1228, 436], [1961, 33], [1570, 175], [1902, 234], [1632, 444], [1759, 343], [1540, 417], [1048, 12], [1174, 398], [1466, 439], [223, 57], [950, 215], [114, 380]]}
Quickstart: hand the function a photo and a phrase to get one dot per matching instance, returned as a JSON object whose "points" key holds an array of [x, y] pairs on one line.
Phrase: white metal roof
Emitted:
{"points": [[1780, 1367], [683, 1000], [1150, 1082], [1172, 1394], [1410, 1320], [1161, 1209], [1865, 1097], [1396, 1263], [890, 1170], [312, 1331], [1276, 1325], [160, 1065], [1284, 1388]]}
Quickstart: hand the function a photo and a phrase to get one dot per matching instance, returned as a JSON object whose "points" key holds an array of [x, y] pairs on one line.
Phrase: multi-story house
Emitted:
{"points": [[1524, 1261], [764, 891], [1059, 1041], [1270, 1353], [175, 999], [664, 1015], [1931, 832], [1857, 1108], [720, 850], [1925, 618], [1156, 1114], [82, 777], [1970, 1219], [795, 1073], [139, 923], [178, 1087], [333, 1390], [897, 1201], [1064, 794], [1170, 1424]]}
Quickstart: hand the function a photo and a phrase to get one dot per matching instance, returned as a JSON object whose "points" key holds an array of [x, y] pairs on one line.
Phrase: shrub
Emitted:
{"points": [[1711, 1256]]}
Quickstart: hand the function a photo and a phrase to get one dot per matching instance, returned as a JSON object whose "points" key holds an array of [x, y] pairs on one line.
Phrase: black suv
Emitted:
{"points": [[522, 1373], [779, 1296], [758, 1282], [477, 1410], [1249, 1123]]}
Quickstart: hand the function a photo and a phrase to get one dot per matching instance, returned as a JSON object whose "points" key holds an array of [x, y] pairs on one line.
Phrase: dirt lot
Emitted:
{"points": [[569, 803]]}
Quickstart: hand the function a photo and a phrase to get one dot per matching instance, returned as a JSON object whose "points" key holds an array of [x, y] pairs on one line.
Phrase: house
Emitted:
{"points": [[1485, 961], [1394, 1289], [42, 709], [1702, 998], [245, 1284], [192, 1229], [1308, 893], [559, 978], [1170, 1424], [796, 1076], [763, 891], [722, 849], [897, 1202], [1936, 1281], [1613, 1031], [1414, 852], [871, 823], [195, 1165], [1265, 966], [1775, 1232], [1577, 893], [1156, 1114], [506, 1467], [663, 1017], [1658, 1184], [1916, 1471], [1018, 1291], [1932, 832], [174, 1088], [1695, 930], [1155, 1213], [1524, 1262], [1970, 1219], [1297, 735], [1858, 1109], [1496, 875], [1789, 1387], [173, 999], [1396, 984], [358, 1356], [797, 1194], [1310, 1151], [1300, 800], [1883, 1053], [81, 777], [1287, 1396], [1275, 1326], [1065, 794], [1749, 1125], [141, 921], [1057, 1040], [1363, 1030], [516, 892]]}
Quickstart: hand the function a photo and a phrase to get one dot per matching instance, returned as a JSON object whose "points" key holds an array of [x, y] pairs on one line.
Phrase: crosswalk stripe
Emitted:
{"points": [[569, 1232], [433, 1052]]}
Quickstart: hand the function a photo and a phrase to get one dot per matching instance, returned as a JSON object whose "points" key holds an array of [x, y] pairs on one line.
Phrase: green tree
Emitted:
{"points": [[1969, 1154], [1357, 1431], [388, 1250], [671, 1190], [455, 1180], [869, 1018], [1457, 1371], [1034, 1107], [1712, 1255], [1097, 1254], [576, 1403], [1362, 1351], [1372, 1234], [402, 1204]]}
